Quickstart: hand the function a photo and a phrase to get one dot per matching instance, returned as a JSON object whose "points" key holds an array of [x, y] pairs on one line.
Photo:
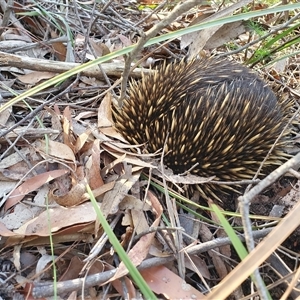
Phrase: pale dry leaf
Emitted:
{"points": [[14, 158], [225, 34], [55, 149], [139, 221], [6, 232], [81, 140], [85, 115], [100, 190], [35, 77], [112, 132], [281, 65], [130, 158], [23, 213], [17, 257], [4, 116], [112, 199], [104, 112], [199, 39], [60, 217], [43, 261]]}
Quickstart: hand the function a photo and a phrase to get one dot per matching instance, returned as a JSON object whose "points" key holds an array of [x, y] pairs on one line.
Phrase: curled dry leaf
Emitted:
{"points": [[70, 198]]}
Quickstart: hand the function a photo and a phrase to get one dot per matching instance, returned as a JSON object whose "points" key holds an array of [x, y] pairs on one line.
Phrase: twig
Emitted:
{"points": [[244, 203], [176, 12], [111, 69], [41, 290]]}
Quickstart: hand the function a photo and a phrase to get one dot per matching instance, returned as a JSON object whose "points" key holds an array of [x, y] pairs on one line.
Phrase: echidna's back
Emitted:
{"points": [[211, 113]]}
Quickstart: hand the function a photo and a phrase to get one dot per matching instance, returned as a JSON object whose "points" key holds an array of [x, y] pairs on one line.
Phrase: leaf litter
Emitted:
{"points": [[48, 158]]}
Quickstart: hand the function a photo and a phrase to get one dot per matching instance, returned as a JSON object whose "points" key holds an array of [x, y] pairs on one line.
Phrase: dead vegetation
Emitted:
{"points": [[62, 65]]}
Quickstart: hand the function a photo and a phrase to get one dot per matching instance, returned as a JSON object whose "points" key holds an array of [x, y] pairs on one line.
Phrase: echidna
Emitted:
{"points": [[214, 113]]}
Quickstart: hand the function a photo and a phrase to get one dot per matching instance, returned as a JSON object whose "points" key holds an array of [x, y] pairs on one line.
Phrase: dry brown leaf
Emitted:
{"points": [[68, 130], [200, 264], [72, 197], [92, 167], [81, 140], [131, 202], [139, 221], [99, 48], [162, 281], [59, 48], [4, 116], [34, 77], [141, 249], [5, 232], [76, 266], [219, 264], [31, 185], [119, 285]]}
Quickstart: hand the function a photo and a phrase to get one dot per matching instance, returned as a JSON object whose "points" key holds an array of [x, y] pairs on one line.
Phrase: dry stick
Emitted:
{"points": [[273, 31], [16, 23], [106, 5], [111, 69], [26, 47], [176, 12], [33, 113], [244, 209], [41, 290], [292, 284], [6, 15], [289, 223], [148, 16], [282, 280]]}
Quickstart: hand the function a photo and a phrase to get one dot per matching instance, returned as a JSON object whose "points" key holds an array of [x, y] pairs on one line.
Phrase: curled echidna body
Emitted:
{"points": [[213, 114]]}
